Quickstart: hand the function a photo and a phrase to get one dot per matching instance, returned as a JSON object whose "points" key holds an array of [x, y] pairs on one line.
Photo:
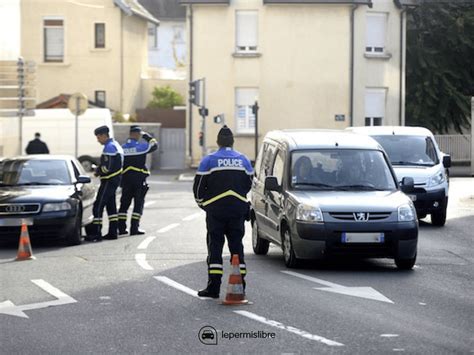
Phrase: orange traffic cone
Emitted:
{"points": [[24, 248], [235, 289]]}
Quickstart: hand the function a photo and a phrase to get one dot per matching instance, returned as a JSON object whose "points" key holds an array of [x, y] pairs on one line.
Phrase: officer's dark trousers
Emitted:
{"points": [[106, 199], [132, 191], [219, 227]]}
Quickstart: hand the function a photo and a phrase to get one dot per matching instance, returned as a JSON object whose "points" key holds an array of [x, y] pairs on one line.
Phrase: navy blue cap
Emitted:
{"points": [[101, 130], [135, 128]]}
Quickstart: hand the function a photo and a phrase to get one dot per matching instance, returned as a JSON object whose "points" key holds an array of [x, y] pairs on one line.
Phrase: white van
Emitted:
{"points": [[413, 152], [57, 128]]}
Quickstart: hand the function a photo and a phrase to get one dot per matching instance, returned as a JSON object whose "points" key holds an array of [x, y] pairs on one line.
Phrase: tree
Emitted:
{"points": [[440, 65], [165, 97]]}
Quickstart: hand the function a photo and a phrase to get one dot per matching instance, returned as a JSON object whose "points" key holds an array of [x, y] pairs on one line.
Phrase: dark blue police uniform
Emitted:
{"points": [[220, 187], [134, 186], [109, 172]]}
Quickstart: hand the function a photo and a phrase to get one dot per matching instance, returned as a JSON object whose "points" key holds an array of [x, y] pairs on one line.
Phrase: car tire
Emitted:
{"points": [[405, 264], [87, 162], [439, 218], [260, 246], [74, 237], [291, 261]]}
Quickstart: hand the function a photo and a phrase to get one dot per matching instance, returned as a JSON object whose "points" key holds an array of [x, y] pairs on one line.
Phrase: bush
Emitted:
{"points": [[165, 97], [118, 117]]}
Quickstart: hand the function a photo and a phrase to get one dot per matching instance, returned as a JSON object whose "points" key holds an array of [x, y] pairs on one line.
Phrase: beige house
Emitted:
{"points": [[309, 63], [98, 47]]}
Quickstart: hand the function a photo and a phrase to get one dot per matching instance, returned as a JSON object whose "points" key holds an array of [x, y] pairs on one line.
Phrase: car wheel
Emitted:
{"points": [[288, 253], [260, 245], [405, 264], [439, 218], [87, 163], [74, 237]]}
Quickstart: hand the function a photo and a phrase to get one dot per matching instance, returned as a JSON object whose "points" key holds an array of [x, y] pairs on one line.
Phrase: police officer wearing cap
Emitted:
{"points": [[220, 187], [135, 172], [109, 171]]}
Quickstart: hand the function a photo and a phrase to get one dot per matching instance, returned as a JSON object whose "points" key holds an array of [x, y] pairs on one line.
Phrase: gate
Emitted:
{"points": [[172, 148]]}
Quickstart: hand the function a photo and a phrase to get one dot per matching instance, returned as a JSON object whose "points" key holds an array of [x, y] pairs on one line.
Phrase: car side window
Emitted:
{"points": [[77, 169], [279, 166], [267, 164], [258, 162]]}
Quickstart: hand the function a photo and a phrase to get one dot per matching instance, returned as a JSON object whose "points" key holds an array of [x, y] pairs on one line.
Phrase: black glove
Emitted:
{"points": [[146, 136]]}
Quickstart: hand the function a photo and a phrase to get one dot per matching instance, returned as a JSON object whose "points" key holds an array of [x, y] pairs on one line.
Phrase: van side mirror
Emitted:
{"points": [[408, 185], [271, 184], [83, 179], [447, 161]]}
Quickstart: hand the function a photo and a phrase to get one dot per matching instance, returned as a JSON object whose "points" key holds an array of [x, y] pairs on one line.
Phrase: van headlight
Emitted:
{"points": [[307, 213], [437, 179], [406, 213], [55, 207]]}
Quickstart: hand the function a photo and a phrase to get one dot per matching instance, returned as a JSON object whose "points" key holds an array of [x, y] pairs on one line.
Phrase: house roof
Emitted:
{"points": [[132, 7], [165, 9], [402, 3], [61, 101]]}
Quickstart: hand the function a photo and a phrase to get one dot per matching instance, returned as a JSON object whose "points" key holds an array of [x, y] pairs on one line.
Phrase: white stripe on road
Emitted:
{"points": [[389, 335], [312, 279], [149, 203], [290, 329], [146, 242], [62, 298], [168, 228], [179, 287], [141, 260], [193, 216]]}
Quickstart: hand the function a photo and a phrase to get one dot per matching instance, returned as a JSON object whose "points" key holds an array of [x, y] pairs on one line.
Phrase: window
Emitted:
{"points": [[374, 106], [244, 100], [178, 34], [267, 161], [246, 31], [152, 36], [100, 98], [53, 32], [375, 33], [278, 167], [99, 35]]}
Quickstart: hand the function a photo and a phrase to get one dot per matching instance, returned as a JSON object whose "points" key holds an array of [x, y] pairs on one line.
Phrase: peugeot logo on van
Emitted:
{"points": [[15, 208], [361, 216]]}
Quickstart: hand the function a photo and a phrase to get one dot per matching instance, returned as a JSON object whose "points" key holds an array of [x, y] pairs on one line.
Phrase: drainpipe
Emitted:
{"points": [[190, 105], [351, 102], [121, 62], [400, 103]]}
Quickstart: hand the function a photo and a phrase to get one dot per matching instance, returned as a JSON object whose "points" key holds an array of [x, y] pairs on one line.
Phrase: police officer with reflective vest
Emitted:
{"points": [[220, 187], [135, 172], [109, 171]]}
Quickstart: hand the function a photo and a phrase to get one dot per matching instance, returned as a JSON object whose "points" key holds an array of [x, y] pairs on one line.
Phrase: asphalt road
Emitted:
{"points": [[131, 295]]}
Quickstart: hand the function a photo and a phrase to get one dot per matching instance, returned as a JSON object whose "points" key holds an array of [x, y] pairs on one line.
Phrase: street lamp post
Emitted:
{"points": [[255, 109]]}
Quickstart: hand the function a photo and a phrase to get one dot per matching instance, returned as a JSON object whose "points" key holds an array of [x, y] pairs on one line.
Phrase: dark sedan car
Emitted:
{"points": [[52, 194]]}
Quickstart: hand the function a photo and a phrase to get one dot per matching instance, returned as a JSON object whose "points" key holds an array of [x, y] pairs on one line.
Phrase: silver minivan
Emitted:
{"points": [[321, 192]]}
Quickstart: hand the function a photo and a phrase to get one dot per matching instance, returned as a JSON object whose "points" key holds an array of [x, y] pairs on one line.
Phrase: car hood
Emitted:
{"points": [[352, 201], [420, 174], [19, 194]]}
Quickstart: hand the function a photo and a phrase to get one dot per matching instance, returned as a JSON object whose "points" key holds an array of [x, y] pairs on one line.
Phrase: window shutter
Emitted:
{"points": [[375, 103], [54, 43], [246, 26], [375, 30]]}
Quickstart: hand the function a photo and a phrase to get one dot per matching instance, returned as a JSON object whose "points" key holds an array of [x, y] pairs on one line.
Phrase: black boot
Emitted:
{"points": [[122, 227], [93, 238], [113, 229], [213, 287], [134, 230]]}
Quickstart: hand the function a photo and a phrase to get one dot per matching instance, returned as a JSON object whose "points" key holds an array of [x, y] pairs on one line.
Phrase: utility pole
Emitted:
{"points": [[255, 109]]}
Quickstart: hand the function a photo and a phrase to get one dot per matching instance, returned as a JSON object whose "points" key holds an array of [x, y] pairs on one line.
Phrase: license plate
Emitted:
{"points": [[412, 197], [362, 237], [15, 222]]}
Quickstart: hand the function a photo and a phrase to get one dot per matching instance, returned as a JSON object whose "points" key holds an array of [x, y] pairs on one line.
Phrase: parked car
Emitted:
{"points": [[413, 152], [50, 193], [318, 193]]}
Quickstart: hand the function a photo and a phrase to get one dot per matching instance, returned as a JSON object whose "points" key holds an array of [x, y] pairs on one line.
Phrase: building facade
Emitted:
{"points": [[97, 47], [308, 63]]}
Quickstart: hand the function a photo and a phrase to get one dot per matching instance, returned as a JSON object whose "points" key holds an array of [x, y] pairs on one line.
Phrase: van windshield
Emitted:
{"points": [[409, 150], [341, 169]]}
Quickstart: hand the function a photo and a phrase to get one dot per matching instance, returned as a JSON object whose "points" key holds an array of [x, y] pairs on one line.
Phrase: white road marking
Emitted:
{"points": [[179, 287], [399, 350], [193, 216], [168, 228], [290, 329], [362, 292], [7, 307], [149, 203], [146, 242], [389, 335], [159, 182], [422, 303], [141, 260]]}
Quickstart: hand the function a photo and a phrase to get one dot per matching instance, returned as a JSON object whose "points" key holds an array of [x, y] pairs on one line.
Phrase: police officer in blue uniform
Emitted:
{"points": [[220, 187], [135, 172], [109, 171]]}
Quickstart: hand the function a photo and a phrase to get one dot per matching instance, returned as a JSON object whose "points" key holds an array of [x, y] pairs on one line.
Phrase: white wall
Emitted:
{"points": [[171, 50], [9, 29]]}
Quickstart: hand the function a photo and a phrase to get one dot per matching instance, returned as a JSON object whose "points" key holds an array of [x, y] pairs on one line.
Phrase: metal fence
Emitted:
{"points": [[456, 145]]}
